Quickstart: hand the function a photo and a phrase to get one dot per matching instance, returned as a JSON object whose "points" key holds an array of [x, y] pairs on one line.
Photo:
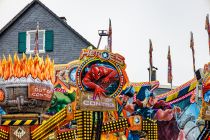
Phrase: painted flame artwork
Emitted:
{"points": [[35, 66]]}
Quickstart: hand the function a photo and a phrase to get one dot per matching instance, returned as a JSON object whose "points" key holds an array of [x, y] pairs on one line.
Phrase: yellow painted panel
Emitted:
{"points": [[171, 97]]}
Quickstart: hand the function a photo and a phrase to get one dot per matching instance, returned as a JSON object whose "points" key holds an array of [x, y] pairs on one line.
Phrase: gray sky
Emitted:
{"points": [[166, 22]]}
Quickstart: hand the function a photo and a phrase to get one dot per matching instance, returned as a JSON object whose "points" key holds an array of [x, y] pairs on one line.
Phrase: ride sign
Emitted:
{"points": [[100, 77], [40, 91], [102, 104]]}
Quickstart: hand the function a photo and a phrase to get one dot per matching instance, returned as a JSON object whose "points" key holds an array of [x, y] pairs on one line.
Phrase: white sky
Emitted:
{"points": [[166, 22]]}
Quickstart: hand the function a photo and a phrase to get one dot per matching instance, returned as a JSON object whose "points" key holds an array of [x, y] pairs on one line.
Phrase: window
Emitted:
{"points": [[26, 41], [31, 41]]}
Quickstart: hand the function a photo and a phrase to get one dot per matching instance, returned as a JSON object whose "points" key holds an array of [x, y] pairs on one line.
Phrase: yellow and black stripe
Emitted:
{"points": [[18, 122], [179, 91]]}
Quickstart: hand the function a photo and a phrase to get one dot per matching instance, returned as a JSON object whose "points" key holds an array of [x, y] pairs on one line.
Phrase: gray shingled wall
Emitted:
{"points": [[67, 45]]}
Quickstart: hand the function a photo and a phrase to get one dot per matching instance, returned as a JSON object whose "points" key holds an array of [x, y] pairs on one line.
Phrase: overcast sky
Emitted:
{"points": [[134, 22]]}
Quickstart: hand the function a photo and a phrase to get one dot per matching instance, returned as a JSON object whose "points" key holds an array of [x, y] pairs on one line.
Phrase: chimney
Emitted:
{"points": [[63, 18], [153, 73], [153, 76]]}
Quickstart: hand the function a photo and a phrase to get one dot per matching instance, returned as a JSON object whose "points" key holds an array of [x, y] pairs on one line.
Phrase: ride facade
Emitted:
{"points": [[92, 98]]}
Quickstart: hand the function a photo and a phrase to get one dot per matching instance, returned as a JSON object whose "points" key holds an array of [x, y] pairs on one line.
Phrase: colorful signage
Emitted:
{"points": [[66, 74], [103, 104], [100, 75], [40, 91]]}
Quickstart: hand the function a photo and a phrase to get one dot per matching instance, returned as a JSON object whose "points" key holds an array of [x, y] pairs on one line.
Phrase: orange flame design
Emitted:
{"points": [[36, 66]]}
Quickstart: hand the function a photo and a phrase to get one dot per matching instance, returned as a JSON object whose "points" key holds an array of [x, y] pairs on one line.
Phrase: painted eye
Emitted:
{"points": [[93, 74]]}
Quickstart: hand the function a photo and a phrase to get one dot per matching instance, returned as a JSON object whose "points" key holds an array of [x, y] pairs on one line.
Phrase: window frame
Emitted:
{"points": [[28, 41]]}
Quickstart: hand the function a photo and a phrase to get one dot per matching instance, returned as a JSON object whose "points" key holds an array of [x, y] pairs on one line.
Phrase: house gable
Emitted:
{"points": [[67, 42]]}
